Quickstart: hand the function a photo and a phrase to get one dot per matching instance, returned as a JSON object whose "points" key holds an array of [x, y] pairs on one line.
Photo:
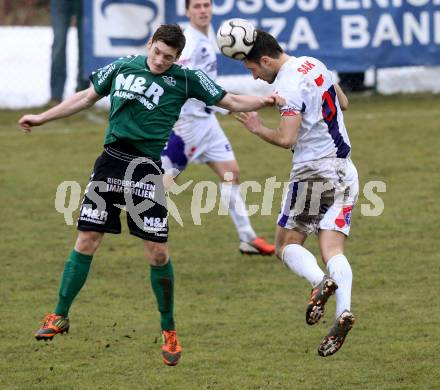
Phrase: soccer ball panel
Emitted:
{"points": [[235, 38]]}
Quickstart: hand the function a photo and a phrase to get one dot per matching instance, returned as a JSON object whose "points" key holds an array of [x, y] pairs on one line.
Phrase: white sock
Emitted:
{"points": [[299, 260], [339, 269], [232, 200]]}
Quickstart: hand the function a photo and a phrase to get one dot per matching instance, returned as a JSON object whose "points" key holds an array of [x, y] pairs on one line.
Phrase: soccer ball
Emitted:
{"points": [[235, 38]]}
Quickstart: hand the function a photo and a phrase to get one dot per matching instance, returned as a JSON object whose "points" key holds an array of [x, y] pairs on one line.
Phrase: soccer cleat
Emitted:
{"points": [[52, 324], [336, 337], [320, 294], [259, 246], [171, 350]]}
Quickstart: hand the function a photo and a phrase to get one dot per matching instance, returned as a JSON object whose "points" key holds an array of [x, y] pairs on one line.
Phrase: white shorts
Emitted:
{"points": [[195, 140], [320, 196]]}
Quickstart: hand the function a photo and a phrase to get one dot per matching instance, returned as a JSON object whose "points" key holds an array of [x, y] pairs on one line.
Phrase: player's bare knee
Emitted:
{"points": [[160, 258], [157, 253], [88, 242], [331, 252]]}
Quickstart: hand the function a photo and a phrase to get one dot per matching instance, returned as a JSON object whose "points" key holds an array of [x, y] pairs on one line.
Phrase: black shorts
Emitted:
{"points": [[125, 180]]}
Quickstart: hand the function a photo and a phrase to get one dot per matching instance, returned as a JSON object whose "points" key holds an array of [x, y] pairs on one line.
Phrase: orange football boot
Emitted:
{"points": [[171, 350], [52, 324]]}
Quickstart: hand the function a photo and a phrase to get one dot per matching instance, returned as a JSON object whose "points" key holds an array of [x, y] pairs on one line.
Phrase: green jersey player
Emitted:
{"points": [[146, 95]]}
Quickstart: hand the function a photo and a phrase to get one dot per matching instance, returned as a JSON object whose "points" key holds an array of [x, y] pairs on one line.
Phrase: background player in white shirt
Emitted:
{"points": [[197, 136], [323, 185]]}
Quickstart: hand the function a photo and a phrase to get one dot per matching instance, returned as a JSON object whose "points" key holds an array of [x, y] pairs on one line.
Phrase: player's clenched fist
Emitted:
{"points": [[278, 100], [26, 122], [273, 100]]}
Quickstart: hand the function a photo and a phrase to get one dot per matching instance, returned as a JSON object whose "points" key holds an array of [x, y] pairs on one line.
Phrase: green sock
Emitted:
{"points": [[162, 282], [74, 276]]}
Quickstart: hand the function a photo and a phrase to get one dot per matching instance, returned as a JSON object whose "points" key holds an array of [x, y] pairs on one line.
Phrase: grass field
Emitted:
{"points": [[240, 319]]}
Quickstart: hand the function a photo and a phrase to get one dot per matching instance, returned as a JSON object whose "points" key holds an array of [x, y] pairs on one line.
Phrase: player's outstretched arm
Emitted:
{"points": [[285, 135], [75, 103], [245, 103], [342, 98]]}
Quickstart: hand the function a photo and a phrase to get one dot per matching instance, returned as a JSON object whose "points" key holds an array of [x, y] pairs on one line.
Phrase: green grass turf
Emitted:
{"points": [[240, 319]]}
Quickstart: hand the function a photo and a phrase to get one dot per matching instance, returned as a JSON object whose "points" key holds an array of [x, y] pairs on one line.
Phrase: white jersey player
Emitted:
{"points": [[197, 136], [322, 148], [323, 185]]}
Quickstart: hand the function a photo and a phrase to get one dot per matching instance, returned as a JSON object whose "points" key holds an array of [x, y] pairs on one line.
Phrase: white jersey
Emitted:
{"points": [[197, 136], [308, 88], [198, 53]]}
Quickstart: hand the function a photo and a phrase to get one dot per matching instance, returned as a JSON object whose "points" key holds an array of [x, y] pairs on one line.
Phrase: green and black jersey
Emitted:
{"points": [[145, 106]]}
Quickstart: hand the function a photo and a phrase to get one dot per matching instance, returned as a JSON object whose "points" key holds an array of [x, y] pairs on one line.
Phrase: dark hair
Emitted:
{"points": [[171, 35], [265, 45], [188, 3]]}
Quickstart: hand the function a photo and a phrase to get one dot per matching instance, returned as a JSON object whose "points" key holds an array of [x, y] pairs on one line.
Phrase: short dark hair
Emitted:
{"points": [[188, 3], [265, 45], [171, 35]]}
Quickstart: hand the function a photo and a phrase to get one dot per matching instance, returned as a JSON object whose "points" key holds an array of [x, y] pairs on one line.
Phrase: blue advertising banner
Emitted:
{"points": [[348, 35], [116, 28]]}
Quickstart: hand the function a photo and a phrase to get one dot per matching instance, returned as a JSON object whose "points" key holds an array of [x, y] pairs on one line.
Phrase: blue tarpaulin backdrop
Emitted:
{"points": [[347, 35]]}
